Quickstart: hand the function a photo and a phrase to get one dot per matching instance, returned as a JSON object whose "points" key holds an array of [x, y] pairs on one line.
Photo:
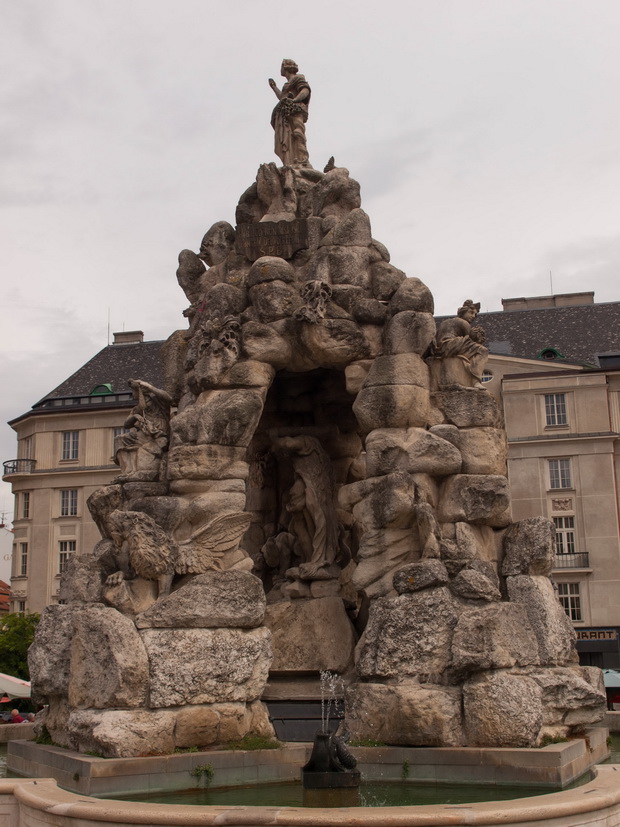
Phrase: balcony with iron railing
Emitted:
{"points": [[18, 466], [572, 561]]}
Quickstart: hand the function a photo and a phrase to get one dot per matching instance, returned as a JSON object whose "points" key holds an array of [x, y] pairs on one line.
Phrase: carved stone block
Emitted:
{"points": [[409, 635], [474, 498], [502, 709], [409, 331], [410, 713], [214, 599], [194, 666]]}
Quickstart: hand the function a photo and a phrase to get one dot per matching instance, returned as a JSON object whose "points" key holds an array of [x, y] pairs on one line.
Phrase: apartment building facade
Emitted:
{"points": [[64, 453]]}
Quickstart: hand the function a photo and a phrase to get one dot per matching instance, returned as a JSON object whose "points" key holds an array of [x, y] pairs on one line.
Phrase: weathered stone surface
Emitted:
{"points": [[529, 547], [310, 636], [474, 498], [214, 599], [109, 666], [408, 713], [81, 580], [385, 278], [391, 406], [355, 375], [474, 585], [568, 698], [195, 666], [498, 636], [467, 544], [409, 331], [49, 654], [341, 265], [121, 733], [409, 635], [352, 231], [484, 450], [422, 575], [468, 407], [274, 300], [554, 631], [207, 462], [448, 432], [263, 343], [412, 295], [334, 342], [401, 369], [335, 194], [220, 417], [270, 268], [502, 709], [413, 450], [218, 723], [131, 596]]}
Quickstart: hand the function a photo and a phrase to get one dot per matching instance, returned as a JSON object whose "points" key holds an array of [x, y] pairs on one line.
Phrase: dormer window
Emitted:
{"points": [[101, 390]]}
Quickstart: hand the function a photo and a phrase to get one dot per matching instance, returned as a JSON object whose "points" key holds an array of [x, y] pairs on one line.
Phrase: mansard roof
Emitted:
{"points": [[114, 366]]}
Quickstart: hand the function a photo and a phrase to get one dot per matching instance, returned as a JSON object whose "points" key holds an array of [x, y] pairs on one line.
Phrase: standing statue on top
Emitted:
{"points": [[290, 115]]}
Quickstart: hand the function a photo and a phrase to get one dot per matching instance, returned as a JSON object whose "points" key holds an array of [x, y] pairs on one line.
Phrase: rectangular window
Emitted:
{"points": [[555, 409], [69, 502], [70, 444], [26, 448], [568, 594], [23, 559], [559, 473], [565, 535], [26, 505], [21, 606], [65, 549]]}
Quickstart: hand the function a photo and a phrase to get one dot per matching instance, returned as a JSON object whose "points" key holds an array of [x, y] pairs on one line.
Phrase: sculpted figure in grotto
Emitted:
{"points": [[458, 338], [310, 508], [290, 115], [138, 452]]}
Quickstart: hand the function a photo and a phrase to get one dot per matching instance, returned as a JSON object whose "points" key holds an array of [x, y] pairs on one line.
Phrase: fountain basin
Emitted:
{"points": [[25, 802], [556, 765]]}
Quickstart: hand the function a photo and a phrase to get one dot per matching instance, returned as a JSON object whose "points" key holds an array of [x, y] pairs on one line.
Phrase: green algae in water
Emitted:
{"points": [[372, 794]]}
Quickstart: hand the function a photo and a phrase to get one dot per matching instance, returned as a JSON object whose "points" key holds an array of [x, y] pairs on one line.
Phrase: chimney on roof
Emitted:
{"points": [[557, 300], [128, 337]]}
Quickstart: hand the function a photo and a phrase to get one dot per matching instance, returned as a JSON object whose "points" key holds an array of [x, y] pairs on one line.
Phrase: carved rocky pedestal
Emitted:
{"points": [[324, 474]]}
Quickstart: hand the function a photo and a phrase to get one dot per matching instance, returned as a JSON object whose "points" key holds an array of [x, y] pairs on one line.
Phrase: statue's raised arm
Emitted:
{"points": [[290, 115]]}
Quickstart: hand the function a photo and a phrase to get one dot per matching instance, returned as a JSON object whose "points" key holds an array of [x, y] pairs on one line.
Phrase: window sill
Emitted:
{"points": [[557, 427], [560, 490], [68, 461]]}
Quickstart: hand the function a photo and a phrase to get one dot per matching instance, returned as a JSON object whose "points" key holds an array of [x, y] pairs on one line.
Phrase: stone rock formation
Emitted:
{"points": [[323, 464]]}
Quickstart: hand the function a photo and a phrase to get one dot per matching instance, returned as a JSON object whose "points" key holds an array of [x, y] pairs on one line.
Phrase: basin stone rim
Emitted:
{"points": [[45, 796]]}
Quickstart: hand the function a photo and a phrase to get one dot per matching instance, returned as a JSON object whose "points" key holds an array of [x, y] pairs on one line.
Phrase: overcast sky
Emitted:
{"points": [[485, 135]]}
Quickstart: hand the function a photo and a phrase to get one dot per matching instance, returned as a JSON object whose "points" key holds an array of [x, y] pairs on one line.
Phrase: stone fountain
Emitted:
{"points": [[320, 485]]}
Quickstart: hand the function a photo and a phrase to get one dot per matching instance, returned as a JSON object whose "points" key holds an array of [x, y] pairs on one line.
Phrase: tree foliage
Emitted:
{"points": [[16, 634]]}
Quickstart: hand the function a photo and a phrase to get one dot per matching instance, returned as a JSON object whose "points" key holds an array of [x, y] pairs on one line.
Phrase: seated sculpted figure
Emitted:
{"points": [[290, 115], [458, 339], [139, 450]]}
